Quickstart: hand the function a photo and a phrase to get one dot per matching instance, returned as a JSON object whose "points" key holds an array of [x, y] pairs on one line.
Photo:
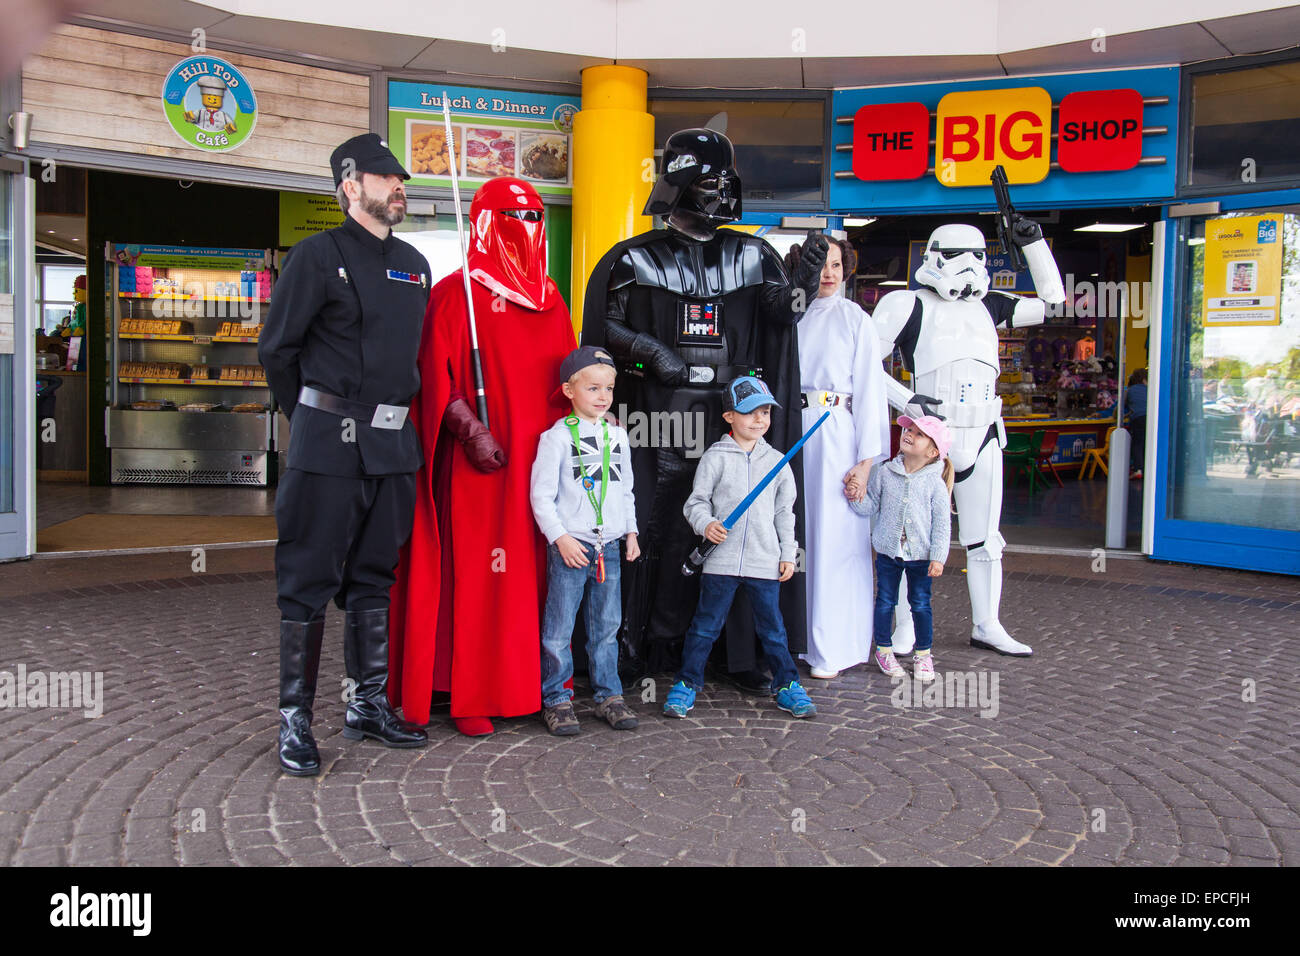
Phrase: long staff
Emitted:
{"points": [[695, 560], [480, 395]]}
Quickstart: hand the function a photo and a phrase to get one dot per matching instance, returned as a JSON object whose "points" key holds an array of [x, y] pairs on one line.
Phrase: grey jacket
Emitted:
{"points": [[764, 535], [917, 502]]}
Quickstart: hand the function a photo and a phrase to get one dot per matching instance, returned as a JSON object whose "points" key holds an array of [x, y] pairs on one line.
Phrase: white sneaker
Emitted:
{"points": [[923, 668], [992, 636], [884, 658], [823, 675]]}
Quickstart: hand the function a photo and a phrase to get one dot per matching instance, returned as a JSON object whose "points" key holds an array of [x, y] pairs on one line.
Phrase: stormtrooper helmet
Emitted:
{"points": [[955, 263]]}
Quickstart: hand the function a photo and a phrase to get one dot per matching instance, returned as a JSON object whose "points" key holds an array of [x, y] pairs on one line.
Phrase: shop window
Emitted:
{"points": [[779, 143], [1245, 126], [1235, 420], [54, 298]]}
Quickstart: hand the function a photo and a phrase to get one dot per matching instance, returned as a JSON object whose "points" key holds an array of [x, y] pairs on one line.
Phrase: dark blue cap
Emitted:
{"points": [[582, 357]]}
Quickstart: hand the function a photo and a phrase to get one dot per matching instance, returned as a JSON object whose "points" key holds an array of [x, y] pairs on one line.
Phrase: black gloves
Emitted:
{"points": [[1025, 231], [927, 405], [812, 256], [665, 364]]}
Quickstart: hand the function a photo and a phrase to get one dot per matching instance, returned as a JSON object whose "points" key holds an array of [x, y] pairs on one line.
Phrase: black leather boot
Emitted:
{"points": [[299, 660], [365, 654]]}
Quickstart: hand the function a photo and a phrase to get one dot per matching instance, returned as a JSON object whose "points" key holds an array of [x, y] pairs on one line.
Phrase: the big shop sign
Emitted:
{"points": [[976, 130]]}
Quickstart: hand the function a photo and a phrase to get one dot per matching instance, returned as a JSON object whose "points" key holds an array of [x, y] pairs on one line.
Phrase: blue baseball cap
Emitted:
{"points": [[747, 393]]}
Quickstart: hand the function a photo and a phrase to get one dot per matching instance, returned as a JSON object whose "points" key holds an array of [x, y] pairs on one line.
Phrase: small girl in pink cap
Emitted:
{"points": [[909, 500]]}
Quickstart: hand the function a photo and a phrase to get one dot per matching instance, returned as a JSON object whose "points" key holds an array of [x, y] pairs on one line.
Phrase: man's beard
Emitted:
{"points": [[379, 208]]}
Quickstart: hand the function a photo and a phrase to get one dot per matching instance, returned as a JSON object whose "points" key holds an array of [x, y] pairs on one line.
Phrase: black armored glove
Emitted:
{"points": [[665, 364], [927, 405], [1025, 231], [812, 256]]}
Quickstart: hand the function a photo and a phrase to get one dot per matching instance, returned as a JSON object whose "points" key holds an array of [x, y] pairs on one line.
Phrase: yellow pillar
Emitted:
{"points": [[613, 169]]}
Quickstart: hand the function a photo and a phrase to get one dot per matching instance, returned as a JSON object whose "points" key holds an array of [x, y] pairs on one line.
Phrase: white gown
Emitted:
{"points": [[839, 352]]}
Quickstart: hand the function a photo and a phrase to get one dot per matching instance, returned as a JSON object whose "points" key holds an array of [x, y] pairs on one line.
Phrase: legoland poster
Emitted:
{"points": [[497, 133], [1243, 270]]}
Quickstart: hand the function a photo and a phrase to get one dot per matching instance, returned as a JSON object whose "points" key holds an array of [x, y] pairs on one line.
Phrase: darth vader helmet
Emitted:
{"points": [[955, 263], [698, 189], [507, 250]]}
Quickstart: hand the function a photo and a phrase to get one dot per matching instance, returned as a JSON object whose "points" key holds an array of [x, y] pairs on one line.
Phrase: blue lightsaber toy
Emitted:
{"points": [[696, 559]]}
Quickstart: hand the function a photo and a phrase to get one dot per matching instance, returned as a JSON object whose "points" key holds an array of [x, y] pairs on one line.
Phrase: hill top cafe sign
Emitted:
{"points": [[1066, 139]]}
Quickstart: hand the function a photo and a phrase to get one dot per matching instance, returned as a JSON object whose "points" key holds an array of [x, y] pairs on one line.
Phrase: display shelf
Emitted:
{"points": [[191, 298], [151, 336], [190, 381]]}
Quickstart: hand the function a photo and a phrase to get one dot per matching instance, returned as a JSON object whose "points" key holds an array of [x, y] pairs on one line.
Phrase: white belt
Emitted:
{"points": [[826, 399]]}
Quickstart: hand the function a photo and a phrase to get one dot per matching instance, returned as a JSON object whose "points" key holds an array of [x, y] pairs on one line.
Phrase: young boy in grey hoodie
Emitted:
{"points": [[757, 554]]}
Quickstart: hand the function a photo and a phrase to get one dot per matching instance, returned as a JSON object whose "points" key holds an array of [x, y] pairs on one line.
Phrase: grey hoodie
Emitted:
{"points": [[764, 535]]}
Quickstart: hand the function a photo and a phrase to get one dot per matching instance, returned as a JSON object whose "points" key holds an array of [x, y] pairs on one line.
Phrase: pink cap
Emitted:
{"points": [[933, 427]]}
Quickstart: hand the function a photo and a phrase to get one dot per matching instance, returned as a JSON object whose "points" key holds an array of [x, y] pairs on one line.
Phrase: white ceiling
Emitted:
{"points": [[728, 43]]}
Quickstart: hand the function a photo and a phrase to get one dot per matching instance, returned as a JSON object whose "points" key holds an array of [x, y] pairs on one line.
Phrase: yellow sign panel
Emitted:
{"points": [[305, 214], [1243, 271], [978, 130]]}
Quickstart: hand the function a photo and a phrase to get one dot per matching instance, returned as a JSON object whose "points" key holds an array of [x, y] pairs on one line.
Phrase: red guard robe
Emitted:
{"points": [[471, 582]]}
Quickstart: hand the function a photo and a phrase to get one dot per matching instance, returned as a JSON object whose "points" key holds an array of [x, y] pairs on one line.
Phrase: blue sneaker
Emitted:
{"points": [[794, 700], [680, 702]]}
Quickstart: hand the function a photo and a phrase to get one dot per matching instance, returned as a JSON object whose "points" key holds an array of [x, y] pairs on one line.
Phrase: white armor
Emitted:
{"points": [[948, 332]]}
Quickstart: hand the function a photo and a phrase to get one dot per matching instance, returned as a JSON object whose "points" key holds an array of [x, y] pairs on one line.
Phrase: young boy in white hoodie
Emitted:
{"points": [[757, 554], [581, 492]]}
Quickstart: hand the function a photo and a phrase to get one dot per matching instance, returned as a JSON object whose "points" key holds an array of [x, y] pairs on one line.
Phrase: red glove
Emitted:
{"points": [[482, 450]]}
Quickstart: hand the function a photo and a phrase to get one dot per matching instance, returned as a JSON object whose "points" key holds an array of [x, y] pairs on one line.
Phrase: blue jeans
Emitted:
{"points": [[566, 590], [888, 572], [716, 594]]}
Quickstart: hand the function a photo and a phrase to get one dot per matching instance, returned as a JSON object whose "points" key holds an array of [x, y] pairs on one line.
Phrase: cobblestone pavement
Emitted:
{"points": [[1155, 724]]}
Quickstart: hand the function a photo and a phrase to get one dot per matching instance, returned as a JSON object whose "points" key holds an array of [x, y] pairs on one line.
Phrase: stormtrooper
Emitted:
{"points": [[685, 310], [947, 332]]}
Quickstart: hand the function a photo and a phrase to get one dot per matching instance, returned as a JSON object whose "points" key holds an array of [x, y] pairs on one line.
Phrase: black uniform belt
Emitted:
{"points": [[378, 416], [719, 374]]}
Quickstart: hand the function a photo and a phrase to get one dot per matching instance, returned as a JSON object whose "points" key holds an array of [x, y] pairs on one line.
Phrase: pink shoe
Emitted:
{"points": [[923, 668], [886, 661]]}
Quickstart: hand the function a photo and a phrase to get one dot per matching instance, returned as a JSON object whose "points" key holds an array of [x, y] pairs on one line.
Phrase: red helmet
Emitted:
{"points": [[507, 249]]}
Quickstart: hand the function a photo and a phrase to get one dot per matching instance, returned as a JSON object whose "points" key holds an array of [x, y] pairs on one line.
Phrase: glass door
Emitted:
{"points": [[1228, 488], [17, 534]]}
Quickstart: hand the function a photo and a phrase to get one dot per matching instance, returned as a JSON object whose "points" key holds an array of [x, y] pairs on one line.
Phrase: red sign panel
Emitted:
{"points": [[891, 141], [1100, 130]]}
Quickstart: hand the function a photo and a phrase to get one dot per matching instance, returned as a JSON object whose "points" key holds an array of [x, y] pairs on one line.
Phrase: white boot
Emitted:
{"points": [[904, 637], [984, 580]]}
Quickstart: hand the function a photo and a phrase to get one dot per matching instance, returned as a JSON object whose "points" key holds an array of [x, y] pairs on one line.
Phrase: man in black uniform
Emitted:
{"points": [[687, 309], [340, 347]]}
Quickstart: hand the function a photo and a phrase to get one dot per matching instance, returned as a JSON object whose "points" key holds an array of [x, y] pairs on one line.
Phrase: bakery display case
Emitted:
{"points": [[189, 402]]}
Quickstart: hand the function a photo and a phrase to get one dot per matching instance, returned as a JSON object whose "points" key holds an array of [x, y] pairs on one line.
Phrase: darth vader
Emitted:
{"points": [[687, 309]]}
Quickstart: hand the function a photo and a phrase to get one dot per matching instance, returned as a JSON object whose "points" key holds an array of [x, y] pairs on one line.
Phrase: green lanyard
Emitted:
{"points": [[589, 481]]}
